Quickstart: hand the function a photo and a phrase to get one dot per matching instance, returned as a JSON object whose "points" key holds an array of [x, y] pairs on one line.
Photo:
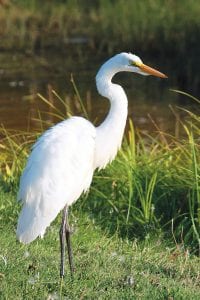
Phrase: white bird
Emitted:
{"points": [[63, 160]]}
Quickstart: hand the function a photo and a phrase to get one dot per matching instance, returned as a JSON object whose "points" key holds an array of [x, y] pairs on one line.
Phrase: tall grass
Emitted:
{"points": [[108, 24], [169, 29], [152, 185], [14, 146]]}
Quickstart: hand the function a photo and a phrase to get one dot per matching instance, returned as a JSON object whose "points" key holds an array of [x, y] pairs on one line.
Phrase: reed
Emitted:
{"points": [[108, 24], [152, 28]]}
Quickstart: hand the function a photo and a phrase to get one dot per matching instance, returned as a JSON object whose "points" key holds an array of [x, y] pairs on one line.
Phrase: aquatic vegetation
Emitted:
{"points": [[168, 28], [109, 23]]}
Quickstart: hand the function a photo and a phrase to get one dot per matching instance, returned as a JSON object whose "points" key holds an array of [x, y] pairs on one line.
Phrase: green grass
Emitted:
{"points": [[107, 266], [136, 233], [152, 185]]}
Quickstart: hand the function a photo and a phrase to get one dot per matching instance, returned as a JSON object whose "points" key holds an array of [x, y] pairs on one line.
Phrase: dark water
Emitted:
{"points": [[22, 76]]}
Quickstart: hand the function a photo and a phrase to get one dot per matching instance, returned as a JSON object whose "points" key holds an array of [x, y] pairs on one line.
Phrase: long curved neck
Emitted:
{"points": [[110, 132]]}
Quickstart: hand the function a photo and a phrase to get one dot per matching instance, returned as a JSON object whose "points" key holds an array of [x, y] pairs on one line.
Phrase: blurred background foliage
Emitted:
{"points": [[168, 29]]}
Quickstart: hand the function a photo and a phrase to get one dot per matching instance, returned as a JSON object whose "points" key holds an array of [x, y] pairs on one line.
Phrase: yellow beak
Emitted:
{"points": [[151, 71]]}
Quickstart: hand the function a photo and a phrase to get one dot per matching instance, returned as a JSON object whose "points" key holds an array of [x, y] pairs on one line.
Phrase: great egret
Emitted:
{"points": [[62, 162]]}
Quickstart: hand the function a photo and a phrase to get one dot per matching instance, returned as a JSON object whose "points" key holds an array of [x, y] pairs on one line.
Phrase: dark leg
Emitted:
{"points": [[62, 242], [65, 234], [69, 248]]}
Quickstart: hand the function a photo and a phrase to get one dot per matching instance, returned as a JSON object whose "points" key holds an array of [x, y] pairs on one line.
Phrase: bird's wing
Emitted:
{"points": [[59, 169]]}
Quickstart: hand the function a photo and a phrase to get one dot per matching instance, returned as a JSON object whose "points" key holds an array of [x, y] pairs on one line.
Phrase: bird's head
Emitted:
{"points": [[131, 63], [122, 62]]}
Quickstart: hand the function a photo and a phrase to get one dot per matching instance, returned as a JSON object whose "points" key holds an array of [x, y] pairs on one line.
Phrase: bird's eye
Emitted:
{"points": [[132, 63]]}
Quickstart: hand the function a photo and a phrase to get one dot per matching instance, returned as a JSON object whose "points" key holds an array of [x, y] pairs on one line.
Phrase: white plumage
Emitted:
{"points": [[61, 164], [59, 169]]}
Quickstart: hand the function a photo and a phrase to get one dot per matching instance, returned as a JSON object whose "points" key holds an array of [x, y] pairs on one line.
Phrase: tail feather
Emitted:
{"points": [[31, 225]]}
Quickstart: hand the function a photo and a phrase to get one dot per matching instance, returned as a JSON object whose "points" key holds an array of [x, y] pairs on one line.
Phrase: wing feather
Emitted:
{"points": [[59, 169]]}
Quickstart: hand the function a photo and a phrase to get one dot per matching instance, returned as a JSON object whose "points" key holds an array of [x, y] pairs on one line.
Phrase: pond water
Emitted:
{"points": [[22, 76]]}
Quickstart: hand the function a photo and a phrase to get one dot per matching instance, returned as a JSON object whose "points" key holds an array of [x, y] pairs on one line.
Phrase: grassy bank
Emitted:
{"points": [[136, 234], [153, 184], [107, 267]]}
